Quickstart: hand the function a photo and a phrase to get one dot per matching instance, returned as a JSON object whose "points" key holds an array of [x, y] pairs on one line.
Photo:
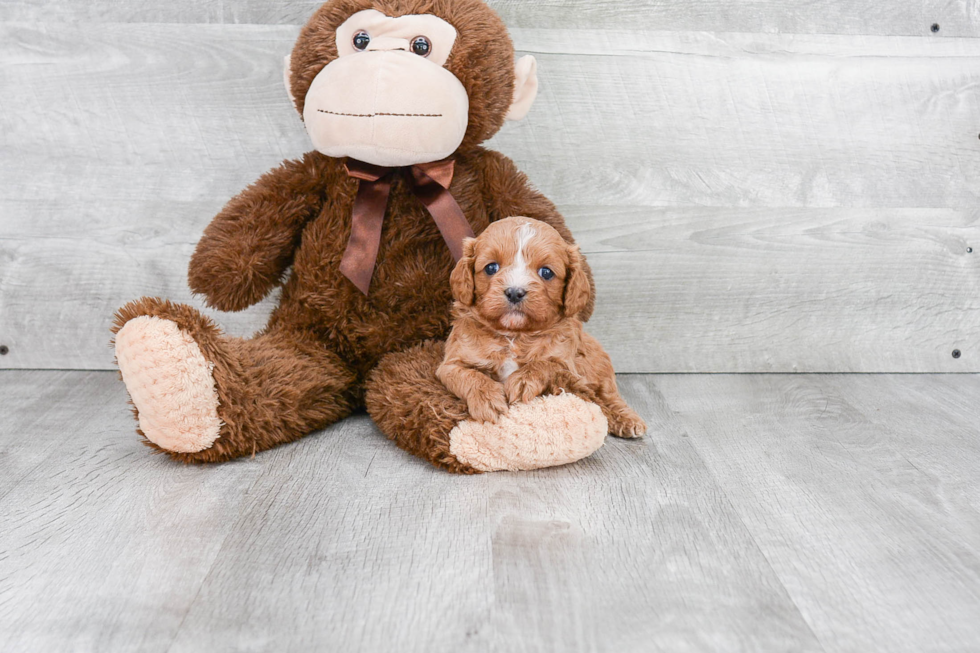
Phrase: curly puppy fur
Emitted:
{"points": [[320, 353], [519, 290]]}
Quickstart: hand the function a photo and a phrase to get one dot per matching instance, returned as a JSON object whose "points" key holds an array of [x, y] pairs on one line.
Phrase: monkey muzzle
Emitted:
{"points": [[389, 108]]}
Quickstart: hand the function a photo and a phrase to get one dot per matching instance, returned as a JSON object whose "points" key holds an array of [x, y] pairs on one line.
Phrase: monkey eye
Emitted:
{"points": [[547, 274], [492, 269], [421, 46], [361, 40]]}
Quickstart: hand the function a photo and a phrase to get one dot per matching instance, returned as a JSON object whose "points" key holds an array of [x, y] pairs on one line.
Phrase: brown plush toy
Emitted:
{"points": [[397, 96]]}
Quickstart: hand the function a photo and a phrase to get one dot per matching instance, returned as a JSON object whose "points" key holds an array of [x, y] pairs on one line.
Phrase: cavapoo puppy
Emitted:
{"points": [[519, 289]]}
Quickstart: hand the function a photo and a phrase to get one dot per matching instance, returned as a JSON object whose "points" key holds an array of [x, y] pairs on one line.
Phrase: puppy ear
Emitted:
{"points": [[577, 290], [462, 280]]}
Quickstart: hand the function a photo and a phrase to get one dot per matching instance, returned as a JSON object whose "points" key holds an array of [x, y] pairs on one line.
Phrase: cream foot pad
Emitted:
{"points": [[547, 432], [170, 383]]}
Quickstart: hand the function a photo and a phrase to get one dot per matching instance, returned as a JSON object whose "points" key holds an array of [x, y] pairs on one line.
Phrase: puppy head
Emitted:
{"points": [[521, 275]]}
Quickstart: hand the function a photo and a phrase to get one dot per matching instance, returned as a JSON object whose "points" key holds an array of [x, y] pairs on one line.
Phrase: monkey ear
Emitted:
{"points": [[462, 280], [525, 87], [287, 77], [577, 289]]}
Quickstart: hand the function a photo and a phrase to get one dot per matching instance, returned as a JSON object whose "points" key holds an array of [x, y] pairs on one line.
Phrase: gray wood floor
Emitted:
{"points": [[763, 513]]}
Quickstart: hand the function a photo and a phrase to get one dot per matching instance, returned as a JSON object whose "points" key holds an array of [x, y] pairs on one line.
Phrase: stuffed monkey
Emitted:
{"points": [[362, 234]]}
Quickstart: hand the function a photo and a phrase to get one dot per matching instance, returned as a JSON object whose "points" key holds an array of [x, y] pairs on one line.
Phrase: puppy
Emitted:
{"points": [[519, 289]]}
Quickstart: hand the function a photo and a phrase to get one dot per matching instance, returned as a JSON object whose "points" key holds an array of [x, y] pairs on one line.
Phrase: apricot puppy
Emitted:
{"points": [[519, 289]]}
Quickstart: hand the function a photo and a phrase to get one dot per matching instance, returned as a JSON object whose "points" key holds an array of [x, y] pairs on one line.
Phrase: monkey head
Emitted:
{"points": [[403, 82]]}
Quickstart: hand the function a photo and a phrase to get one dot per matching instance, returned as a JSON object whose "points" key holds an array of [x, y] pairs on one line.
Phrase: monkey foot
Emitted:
{"points": [[547, 432], [171, 384]]}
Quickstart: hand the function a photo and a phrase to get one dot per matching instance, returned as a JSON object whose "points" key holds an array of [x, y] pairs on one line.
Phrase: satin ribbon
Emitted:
{"points": [[429, 182]]}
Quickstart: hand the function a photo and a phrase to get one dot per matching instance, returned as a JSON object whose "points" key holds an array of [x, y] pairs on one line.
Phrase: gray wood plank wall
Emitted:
{"points": [[759, 186], [907, 18]]}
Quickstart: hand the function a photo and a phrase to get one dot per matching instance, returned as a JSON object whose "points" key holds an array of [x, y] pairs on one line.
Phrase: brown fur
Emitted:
{"points": [[413, 408], [324, 348], [541, 336], [258, 411]]}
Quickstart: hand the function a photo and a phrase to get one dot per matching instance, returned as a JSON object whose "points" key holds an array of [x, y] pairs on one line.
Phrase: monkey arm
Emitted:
{"points": [[508, 193], [249, 245]]}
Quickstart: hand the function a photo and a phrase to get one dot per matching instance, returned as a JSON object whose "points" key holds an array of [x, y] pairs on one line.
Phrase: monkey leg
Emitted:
{"points": [[203, 397], [415, 410]]}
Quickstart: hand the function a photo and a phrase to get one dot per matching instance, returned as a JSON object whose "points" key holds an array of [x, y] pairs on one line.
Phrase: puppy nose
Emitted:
{"points": [[515, 295]]}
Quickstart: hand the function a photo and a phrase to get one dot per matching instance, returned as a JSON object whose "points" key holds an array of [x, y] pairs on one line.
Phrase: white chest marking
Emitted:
{"points": [[509, 367]]}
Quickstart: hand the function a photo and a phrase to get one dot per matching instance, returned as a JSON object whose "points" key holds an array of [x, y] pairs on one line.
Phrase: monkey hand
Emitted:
{"points": [[247, 248]]}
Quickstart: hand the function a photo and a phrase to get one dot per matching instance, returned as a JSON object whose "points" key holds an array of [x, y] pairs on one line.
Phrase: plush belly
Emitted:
{"points": [[409, 300]]}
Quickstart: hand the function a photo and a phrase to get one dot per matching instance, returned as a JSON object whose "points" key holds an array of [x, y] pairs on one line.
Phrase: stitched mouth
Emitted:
{"points": [[373, 115]]}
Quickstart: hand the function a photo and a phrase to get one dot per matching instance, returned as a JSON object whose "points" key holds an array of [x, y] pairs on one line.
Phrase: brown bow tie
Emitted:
{"points": [[430, 183]]}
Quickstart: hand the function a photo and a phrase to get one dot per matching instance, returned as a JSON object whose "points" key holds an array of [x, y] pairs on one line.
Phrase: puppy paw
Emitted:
{"points": [[522, 388], [626, 424], [488, 404]]}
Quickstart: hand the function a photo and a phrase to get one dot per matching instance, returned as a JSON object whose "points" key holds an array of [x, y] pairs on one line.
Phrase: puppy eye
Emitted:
{"points": [[492, 269], [421, 46], [361, 40], [546, 273]]}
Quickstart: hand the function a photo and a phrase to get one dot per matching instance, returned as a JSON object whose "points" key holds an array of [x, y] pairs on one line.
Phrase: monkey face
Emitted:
{"points": [[402, 82], [388, 99]]}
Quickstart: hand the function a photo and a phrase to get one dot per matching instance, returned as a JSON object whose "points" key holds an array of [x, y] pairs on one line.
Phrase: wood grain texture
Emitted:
{"points": [[960, 18], [32, 402], [147, 112], [669, 544], [124, 140], [66, 268], [750, 120], [632, 550], [102, 544], [784, 291], [342, 541], [763, 513], [196, 112], [680, 290], [861, 492]]}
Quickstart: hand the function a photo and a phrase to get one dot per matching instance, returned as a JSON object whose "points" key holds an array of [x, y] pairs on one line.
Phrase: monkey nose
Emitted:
{"points": [[515, 295]]}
